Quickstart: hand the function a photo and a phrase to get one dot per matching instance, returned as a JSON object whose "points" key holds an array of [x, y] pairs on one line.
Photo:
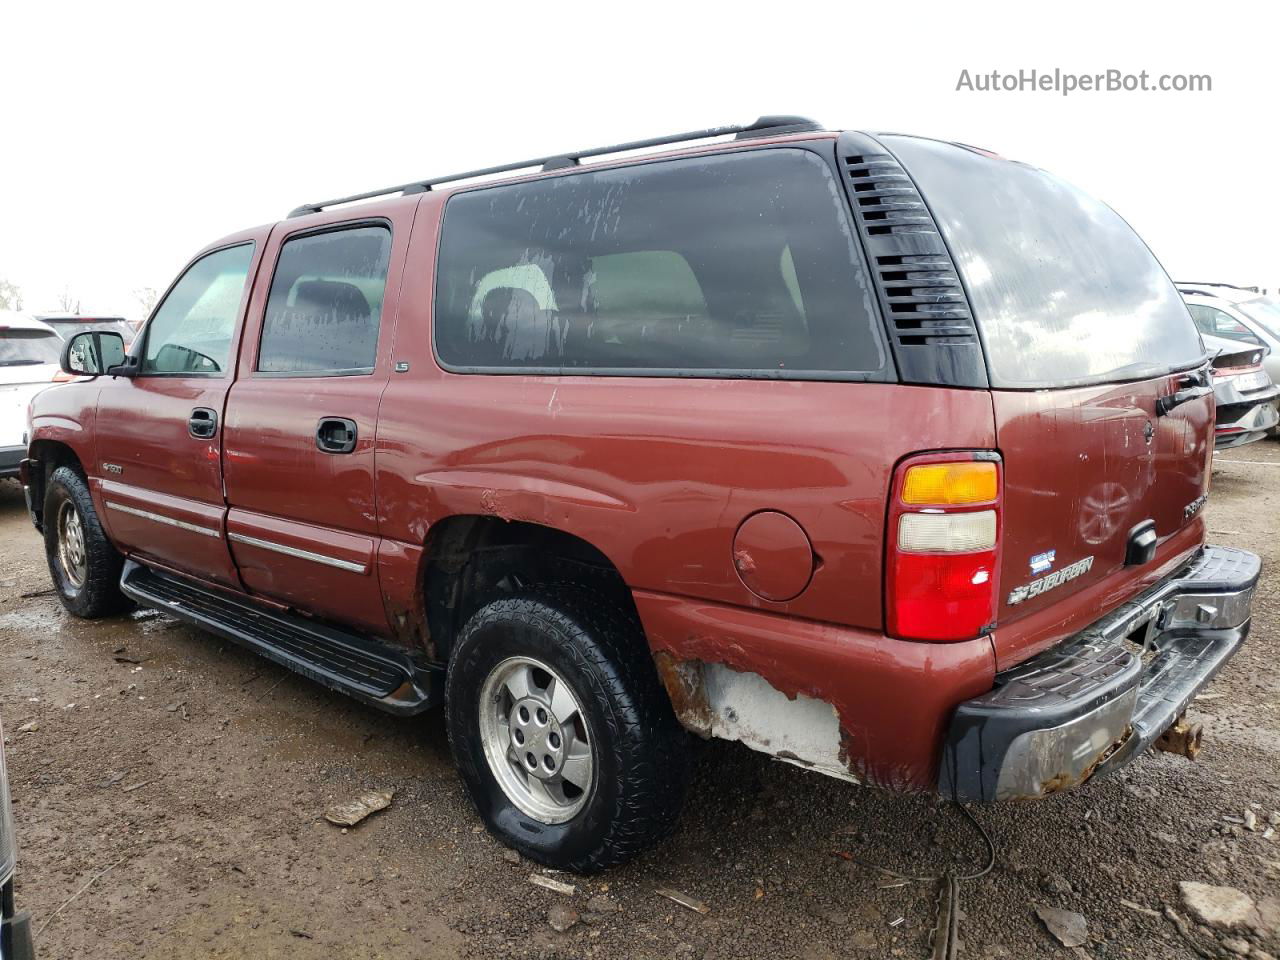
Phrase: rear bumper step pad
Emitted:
{"points": [[1090, 705], [378, 674]]}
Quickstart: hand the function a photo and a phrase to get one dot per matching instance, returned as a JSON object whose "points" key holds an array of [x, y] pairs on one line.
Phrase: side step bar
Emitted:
{"points": [[371, 671]]}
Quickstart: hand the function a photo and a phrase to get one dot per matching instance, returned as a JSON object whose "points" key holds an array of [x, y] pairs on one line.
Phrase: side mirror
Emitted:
{"points": [[94, 353]]}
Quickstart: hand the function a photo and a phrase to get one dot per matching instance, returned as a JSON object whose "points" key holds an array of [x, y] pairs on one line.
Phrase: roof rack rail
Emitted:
{"points": [[770, 126]]}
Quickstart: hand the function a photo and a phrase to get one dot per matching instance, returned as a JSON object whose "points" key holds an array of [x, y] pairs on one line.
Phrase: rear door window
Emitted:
{"points": [[27, 348], [1063, 290], [325, 304], [728, 265]]}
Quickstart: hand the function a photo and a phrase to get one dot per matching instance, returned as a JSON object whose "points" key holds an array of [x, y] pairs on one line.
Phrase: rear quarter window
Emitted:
{"points": [[729, 265], [23, 347], [1063, 290]]}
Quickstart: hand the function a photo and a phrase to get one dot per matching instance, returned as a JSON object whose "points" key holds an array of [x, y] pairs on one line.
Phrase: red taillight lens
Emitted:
{"points": [[941, 571], [1236, 371]]}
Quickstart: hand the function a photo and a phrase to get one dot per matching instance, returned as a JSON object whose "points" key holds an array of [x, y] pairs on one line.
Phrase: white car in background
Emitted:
{"points": [[1234, 313], [1244, 392], [68, 325], [29, 354]]}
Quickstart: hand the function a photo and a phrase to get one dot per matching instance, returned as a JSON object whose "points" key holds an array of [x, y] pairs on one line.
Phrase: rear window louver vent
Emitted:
{"points": [[934, 336]]}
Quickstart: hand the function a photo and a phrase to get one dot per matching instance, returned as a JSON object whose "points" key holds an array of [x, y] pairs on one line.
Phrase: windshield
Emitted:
{"points": [[1063, 290], [28, 347], [1265, 312], [69, 328]]}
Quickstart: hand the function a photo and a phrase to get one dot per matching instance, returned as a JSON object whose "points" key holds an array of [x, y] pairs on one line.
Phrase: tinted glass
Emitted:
{"points": [[22, 348], [191, 331], [1219, 323], [1063, 290], [740, 263], [326, 303], [1265, 312], [69, 328]]}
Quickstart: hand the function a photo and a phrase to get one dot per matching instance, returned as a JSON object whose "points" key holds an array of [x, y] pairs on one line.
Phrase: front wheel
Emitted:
{"points": [[562, 733], [83, 564]]}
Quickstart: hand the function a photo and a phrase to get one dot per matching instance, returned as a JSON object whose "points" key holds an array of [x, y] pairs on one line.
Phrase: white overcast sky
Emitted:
{"points": [[135, 134]]}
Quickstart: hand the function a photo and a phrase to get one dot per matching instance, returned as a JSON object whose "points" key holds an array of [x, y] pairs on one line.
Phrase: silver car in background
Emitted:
{"points": [[15, 928], [1245, 393], [1237, 313]]}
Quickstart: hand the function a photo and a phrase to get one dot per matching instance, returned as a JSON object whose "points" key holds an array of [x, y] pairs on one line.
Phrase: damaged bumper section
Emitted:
{"points": [[1092, 704], [1239, 424]]}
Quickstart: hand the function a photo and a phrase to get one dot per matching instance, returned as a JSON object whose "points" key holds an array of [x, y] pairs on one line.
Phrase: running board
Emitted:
{"points": [[371, 671]]}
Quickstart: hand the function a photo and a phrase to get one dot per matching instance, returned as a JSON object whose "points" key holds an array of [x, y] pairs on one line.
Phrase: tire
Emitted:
{"points": [[89, 588], [638, 767]]}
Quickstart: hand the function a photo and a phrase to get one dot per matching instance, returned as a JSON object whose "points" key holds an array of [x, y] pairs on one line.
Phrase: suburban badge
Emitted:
{"points": [[1055, 579]]}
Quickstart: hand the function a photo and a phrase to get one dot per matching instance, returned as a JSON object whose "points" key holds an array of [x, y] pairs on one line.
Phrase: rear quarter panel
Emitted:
{"points": [[658, 473]]}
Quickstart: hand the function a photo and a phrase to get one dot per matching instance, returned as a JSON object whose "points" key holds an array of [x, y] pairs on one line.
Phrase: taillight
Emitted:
{"points": [[1236, 371], [63, 377], [941, 574]]}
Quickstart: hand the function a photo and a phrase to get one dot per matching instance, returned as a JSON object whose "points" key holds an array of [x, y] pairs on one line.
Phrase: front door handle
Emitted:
{"points": [[336, 435], [203, 423]]}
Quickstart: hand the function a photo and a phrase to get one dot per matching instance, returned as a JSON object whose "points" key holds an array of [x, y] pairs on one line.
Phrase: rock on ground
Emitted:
{"points": [[1223, 908]]}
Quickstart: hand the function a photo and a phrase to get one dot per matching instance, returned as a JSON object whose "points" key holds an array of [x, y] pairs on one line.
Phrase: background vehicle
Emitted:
{"points": [[29, 352], [1246, 396], [15, 928], [69, 324], [1233, 313], [705, 439]]}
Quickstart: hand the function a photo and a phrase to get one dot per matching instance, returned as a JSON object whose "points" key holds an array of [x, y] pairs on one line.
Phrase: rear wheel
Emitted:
{"points": [[83, 564], [560, 729]]}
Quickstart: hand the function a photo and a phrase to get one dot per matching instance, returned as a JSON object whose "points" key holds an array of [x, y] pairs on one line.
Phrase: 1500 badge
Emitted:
{"points": [[1055, 579], [1192, 508]]}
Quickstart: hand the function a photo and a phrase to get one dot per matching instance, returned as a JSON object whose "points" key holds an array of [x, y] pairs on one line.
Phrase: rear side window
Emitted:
{"points": [[325, 303], [190, 333], [26, 348], [1062, 288], [1219, 323], [729, 265]]}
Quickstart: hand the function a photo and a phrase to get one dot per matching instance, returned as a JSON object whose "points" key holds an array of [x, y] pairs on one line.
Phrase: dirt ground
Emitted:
{"points": [[196, 774]]}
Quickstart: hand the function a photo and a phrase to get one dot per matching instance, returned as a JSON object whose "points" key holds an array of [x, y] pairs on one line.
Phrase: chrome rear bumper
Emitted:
{"points": [[1090, 705]]}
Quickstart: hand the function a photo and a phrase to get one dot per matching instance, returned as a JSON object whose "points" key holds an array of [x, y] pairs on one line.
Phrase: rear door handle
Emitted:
{"points": [[203, 423], [336, 435]]}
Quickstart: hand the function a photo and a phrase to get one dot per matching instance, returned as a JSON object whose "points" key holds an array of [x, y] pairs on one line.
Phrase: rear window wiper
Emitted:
{"points": [[1191, 386]]}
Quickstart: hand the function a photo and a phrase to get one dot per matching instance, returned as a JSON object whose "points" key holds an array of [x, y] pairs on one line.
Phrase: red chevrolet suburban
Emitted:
{"points": [[883, 455]]}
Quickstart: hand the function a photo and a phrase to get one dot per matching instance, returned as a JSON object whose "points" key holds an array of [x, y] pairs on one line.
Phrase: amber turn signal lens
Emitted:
{"points": [[948, 484]]}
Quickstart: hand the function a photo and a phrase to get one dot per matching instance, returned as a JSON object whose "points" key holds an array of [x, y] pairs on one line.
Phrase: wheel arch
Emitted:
{"points": [[49, 455], [469, 559]]}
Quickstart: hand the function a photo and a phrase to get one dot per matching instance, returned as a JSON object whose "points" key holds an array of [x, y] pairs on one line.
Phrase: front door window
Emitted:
{"points": [[190, 334]]}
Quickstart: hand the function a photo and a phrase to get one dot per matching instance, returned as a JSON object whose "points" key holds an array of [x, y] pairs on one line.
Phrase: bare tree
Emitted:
{"points": [[68, 302], [10, 295], [147, 296]]}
